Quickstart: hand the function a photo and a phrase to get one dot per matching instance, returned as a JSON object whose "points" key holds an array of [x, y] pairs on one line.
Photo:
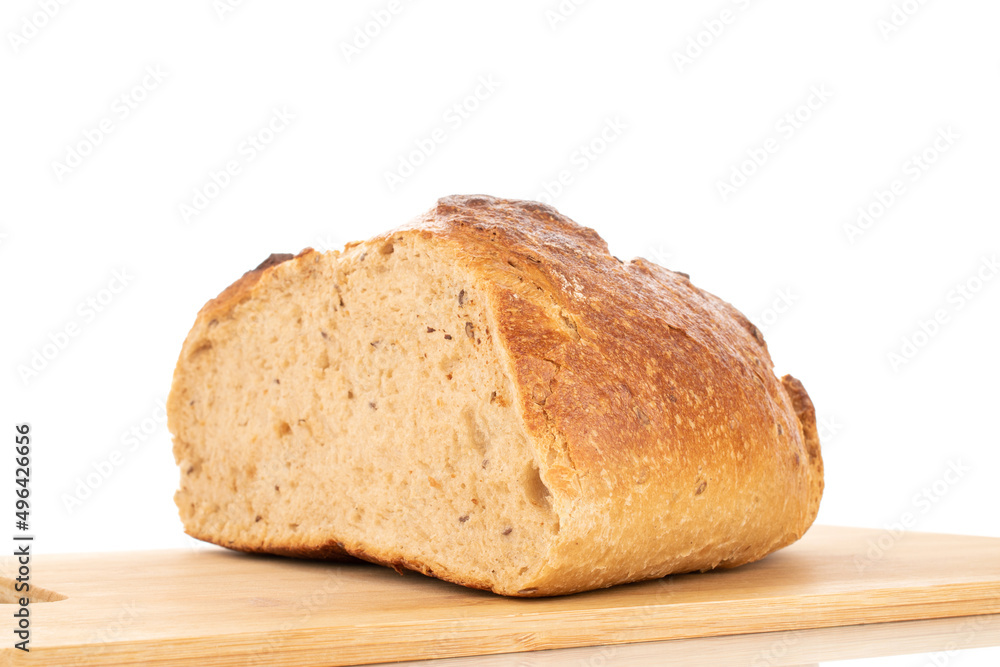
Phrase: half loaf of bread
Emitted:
{"points": [[487, 396]]}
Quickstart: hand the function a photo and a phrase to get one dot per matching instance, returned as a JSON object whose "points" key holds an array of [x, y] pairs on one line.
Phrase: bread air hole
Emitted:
{"points": [[200, 348], [534, 488]]}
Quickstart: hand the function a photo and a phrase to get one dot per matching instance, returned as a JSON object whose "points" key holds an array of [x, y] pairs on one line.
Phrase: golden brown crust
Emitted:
{"points": [[805, 412], [647, 398], [241, 290], [661, 431]]}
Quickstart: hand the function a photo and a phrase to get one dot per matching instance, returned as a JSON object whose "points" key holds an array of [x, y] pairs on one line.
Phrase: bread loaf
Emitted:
{"points": [[487, 396]]}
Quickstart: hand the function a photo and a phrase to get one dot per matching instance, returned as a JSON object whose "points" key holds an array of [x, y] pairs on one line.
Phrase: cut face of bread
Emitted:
{"points": [[488, 397], [362, 396]]}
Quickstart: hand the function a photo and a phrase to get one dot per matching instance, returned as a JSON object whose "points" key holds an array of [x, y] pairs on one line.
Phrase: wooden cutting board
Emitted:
{"points": [[216, 607]]}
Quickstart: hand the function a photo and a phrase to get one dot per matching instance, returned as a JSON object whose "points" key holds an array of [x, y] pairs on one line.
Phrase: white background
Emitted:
{"points": [[676, 130]]}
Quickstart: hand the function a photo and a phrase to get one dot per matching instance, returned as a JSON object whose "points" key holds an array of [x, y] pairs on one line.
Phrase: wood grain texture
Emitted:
{"points": [[215, 607], [955, 638]]}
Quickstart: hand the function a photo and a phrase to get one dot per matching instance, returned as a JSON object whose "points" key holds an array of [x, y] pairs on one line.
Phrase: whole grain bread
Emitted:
{"points": [[487, 396]]}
